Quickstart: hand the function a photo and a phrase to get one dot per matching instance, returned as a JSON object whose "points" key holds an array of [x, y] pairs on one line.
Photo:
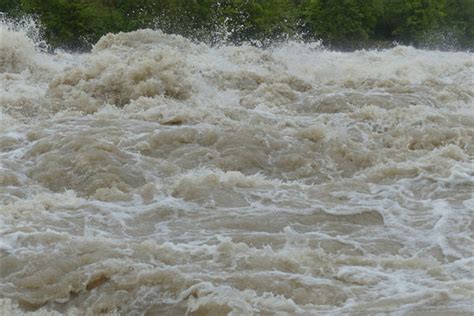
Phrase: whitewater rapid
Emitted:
{"points": [[157, 176]]}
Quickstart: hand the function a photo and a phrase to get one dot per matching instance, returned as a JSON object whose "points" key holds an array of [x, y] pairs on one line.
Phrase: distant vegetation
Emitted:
{"points": [[342, 24]]}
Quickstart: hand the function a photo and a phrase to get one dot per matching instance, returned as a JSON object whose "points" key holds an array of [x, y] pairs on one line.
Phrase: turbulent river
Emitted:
{"points": [[158, 176]]}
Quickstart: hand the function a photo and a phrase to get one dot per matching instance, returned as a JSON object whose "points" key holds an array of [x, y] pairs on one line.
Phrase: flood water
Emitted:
{"points": [[157, 176]]}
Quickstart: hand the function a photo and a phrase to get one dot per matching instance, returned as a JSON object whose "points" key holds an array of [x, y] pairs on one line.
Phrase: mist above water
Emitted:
{"points": [[157, 176]]}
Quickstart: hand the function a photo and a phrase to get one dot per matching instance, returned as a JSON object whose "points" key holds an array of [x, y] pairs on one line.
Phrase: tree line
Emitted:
{"points": [[340, 24]]}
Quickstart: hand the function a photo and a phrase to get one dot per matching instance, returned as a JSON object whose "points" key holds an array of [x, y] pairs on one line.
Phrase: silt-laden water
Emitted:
{"points": [[156, 176]]}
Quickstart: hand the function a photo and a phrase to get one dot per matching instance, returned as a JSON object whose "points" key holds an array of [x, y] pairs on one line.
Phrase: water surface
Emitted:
{"points": [[156, 176]]}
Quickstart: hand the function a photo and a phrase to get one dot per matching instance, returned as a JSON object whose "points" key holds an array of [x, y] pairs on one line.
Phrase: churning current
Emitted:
{"points": [[158, 176]]}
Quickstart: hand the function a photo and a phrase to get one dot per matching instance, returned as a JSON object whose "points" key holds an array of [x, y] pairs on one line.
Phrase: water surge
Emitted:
{"points": [[157, 176]]}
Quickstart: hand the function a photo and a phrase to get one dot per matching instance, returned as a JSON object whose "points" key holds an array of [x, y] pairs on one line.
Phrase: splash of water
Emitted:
{"points": [[154, 175]]}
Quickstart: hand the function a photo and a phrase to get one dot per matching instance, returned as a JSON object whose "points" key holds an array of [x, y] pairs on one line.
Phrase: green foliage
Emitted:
{"points": [[11, 6], [342, 24], [247, 20], [459, 22], [346, 22], [411, 19]]}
